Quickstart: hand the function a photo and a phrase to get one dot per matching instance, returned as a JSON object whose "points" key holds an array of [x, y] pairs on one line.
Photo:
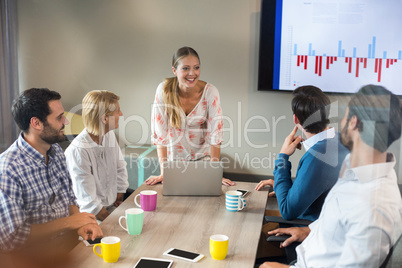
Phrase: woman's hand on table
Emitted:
{"points": [[154, 180], [228, 182]]}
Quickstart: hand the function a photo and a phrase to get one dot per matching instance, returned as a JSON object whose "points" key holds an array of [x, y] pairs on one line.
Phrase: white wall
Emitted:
{"points": [[126, 46]]}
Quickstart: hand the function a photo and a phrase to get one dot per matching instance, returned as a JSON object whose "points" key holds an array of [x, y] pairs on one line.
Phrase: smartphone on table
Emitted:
{"points": [[184, 255], [244, 192], [91, 242]]}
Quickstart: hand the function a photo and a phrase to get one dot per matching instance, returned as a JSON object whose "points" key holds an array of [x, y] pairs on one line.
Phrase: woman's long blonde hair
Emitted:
{"points": [[171, 87]]}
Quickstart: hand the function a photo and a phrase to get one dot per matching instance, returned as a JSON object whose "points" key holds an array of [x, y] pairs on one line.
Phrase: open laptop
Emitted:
{"points": [[192, 178]]}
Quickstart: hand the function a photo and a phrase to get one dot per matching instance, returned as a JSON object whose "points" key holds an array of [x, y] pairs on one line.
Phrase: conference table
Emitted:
{"points": [[184, 222]]}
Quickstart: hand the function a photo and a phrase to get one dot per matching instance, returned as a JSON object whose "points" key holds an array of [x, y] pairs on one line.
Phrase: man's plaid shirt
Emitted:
{"points": [[31, 192]]}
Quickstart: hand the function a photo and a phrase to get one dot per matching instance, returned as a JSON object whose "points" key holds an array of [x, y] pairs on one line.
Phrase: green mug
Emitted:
{"points": [[134, 221]]}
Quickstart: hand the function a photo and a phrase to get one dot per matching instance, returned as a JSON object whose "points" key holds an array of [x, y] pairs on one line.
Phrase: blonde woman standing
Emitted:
{"points": [[94, 159], [187, 116]]}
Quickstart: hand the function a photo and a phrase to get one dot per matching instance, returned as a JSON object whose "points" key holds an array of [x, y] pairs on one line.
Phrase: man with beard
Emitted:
{"points": [[37, 203], [362, 215]]}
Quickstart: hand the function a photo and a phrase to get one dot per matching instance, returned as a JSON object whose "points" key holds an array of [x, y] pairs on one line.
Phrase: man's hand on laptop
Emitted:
{"points": [[228, 182], [152, 180], [291, 143]]}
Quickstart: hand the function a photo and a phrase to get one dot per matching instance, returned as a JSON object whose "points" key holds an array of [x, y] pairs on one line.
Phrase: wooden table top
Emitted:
{"points": [[186, 223]]}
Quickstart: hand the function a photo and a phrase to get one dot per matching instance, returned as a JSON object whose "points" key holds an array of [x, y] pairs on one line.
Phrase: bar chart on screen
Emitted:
{"points": [[337, 45], [353, 64]]}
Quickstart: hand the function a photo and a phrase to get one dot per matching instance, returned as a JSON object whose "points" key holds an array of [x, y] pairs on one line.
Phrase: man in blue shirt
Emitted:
{"points": [[37, 203], [319, 167]]}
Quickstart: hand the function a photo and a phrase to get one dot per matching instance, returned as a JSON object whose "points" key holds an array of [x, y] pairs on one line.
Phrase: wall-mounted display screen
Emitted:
{"points": [[337, 45]]}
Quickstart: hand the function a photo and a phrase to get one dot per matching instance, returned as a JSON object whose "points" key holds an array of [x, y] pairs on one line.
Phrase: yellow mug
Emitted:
{"points": [[218, 246], [110, 248]]}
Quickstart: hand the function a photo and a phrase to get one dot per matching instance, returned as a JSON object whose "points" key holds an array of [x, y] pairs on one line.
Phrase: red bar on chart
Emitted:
{"points": [[298, 60], [376, 66], [379, 70], [320, 68], [350, 65], [365, 63], [328, 60], [387, 63], [316, 64], [357, 67], [305, 62]]}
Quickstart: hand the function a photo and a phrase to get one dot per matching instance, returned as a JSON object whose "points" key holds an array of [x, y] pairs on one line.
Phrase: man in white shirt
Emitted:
{"points": [[362, 215]]}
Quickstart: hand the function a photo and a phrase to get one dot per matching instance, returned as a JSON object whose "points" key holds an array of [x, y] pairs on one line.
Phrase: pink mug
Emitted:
{"points": [[147, 199]]}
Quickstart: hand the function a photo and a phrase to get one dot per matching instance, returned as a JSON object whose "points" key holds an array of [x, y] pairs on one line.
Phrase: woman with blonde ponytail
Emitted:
{"points": [[186, 116]]}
